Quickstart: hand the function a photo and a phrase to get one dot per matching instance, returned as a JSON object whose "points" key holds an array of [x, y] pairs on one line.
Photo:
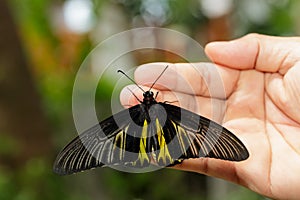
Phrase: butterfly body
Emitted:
{"points": [[150, 133]]}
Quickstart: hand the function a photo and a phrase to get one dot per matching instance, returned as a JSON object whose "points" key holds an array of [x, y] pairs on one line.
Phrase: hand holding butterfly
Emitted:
{"points": [[259, 102]]}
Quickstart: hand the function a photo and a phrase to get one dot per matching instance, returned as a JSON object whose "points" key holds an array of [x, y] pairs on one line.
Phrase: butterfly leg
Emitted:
{"points": [[156, 95], [134, 95]]}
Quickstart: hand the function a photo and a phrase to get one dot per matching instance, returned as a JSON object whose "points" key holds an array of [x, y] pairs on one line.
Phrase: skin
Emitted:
{"points": [[259, 102]]}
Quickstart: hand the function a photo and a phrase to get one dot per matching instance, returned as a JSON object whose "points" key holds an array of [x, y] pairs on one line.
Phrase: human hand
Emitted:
{"points": [[260, 104]]}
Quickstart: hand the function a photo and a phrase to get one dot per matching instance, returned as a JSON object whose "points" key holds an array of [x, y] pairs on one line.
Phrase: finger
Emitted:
{"points": [[205, 79], [207, 107], [215, 168], [254, 51]]}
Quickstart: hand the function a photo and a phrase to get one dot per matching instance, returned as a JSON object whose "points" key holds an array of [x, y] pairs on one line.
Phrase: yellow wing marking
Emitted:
{"points": [[164, 153], [142, 154], [119, 143], [180, 134]]}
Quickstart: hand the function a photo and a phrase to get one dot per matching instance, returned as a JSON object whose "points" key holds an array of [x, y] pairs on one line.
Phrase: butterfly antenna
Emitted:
{"points": [[134, 95], [120, 71], [159, 77]]}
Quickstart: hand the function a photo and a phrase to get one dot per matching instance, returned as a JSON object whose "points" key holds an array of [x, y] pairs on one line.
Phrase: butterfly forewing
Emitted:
{"points": [[75, 157], [106, 142]]}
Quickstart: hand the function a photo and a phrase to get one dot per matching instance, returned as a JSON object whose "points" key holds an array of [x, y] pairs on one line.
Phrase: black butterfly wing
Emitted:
{"points": [[75, 157], [164, 135], [192, 136], [107, 143]]}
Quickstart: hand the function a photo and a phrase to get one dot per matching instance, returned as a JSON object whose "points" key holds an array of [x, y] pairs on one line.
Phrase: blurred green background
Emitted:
{"points": [[42, 45]]}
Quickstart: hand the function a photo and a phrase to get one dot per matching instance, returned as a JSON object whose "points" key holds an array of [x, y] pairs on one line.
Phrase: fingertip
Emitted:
{"points": [[124, 97], [127, 99]]}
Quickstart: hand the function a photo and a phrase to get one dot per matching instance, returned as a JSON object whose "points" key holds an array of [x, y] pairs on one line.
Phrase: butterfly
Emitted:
{"points": [[149, 133]]}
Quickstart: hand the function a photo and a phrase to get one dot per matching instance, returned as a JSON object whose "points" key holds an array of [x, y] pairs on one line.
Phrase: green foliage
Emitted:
{"points": [[56, 90], [187, 14], [34, 181], [244, 194], [7, 186], [9, 146], [34, 15], [279, 19], [162, 184]]}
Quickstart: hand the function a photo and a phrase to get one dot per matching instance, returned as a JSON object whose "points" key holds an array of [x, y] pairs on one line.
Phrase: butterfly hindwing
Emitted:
{"points": [[201, 137]]}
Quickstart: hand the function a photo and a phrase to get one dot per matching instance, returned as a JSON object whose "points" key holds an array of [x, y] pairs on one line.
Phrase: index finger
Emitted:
{"points": [[201, 79]]}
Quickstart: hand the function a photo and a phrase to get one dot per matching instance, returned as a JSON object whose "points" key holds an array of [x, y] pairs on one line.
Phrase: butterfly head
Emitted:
{"points": [[149, 97], [148, 94]]}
